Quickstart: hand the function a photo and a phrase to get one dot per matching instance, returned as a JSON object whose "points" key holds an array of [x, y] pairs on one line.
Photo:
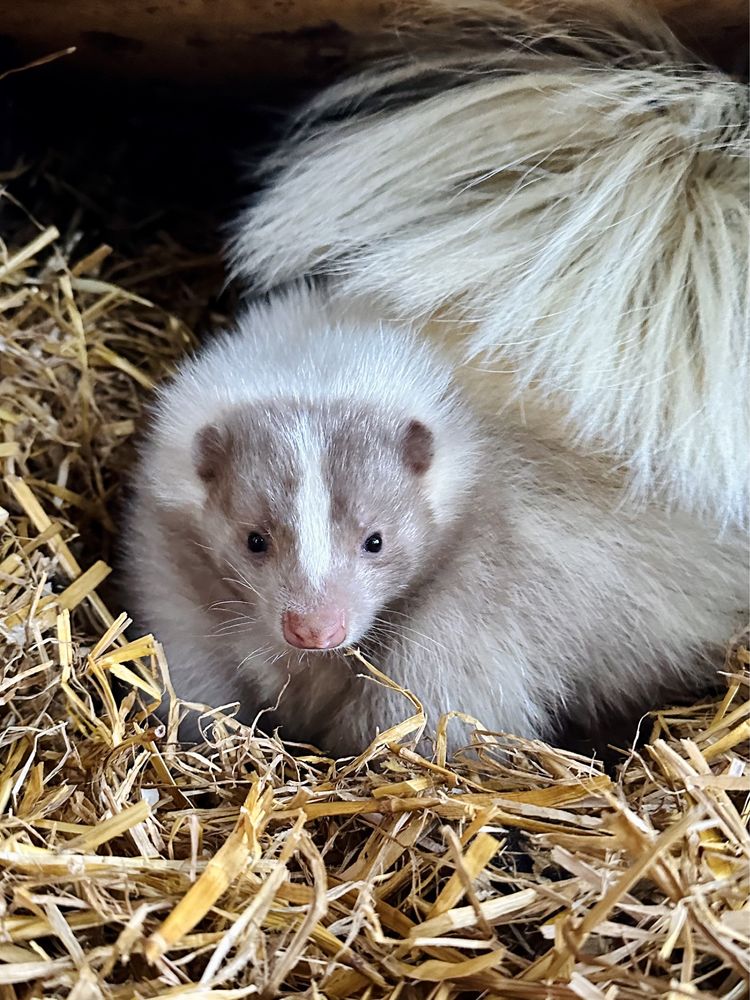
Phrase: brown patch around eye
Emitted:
{"points": [[209, 452], [418, 447]]}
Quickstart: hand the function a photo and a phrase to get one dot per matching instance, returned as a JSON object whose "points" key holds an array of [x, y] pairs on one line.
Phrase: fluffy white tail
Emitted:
{"points": [[576, 196]]}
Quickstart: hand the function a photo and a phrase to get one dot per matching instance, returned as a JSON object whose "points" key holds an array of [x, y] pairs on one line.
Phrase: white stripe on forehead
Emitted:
{"points": [[312, 514]]}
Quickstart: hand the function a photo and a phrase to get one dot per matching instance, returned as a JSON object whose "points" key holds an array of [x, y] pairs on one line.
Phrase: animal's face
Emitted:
{"points": [[316, 516]]}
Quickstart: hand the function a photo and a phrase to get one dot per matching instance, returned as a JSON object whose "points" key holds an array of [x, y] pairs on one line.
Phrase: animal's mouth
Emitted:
{"points": [[296, 661], [302, 653]]}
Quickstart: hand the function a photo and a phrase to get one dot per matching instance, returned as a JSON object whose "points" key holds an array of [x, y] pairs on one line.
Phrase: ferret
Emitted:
{"points": [[315, 481]]}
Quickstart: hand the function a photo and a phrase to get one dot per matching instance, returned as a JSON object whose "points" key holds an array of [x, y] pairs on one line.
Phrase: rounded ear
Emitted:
{"points": [[418, 447], [209, 452]]}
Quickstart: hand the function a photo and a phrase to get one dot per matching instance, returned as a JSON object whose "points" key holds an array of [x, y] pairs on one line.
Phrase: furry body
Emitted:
{"points": [[571, 196], [512, 585]]}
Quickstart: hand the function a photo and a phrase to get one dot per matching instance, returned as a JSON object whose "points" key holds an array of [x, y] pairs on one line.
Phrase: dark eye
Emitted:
{"points": [[256, 543], [374, 543]]}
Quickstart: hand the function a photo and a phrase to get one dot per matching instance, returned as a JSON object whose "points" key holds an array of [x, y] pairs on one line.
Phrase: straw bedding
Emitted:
{"points": [[134, 867]]}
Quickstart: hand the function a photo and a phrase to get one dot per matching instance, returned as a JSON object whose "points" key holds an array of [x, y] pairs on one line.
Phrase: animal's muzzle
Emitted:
{"points": [[324, 628]]}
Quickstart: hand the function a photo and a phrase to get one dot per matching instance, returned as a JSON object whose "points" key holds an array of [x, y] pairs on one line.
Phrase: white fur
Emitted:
{"points": [[299, 346], [582, 213], [313, 508]]}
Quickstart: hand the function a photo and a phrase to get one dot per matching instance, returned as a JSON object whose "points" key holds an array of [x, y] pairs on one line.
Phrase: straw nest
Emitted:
{"points": [[133, 867]]}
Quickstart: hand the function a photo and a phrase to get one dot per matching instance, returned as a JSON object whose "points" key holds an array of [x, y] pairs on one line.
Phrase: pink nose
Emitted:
{"points": [[322, 629]]}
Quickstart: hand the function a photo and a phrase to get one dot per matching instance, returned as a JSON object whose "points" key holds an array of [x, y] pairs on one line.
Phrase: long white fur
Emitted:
{"points": [[581, 209]]}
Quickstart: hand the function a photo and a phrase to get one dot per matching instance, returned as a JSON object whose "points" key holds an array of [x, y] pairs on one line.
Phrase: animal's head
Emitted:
{"points": [[319, 458], [319, 515]]}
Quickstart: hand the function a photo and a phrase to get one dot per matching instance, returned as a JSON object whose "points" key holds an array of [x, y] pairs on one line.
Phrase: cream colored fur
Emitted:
{"points": [[569, 194], [539, 597]]}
